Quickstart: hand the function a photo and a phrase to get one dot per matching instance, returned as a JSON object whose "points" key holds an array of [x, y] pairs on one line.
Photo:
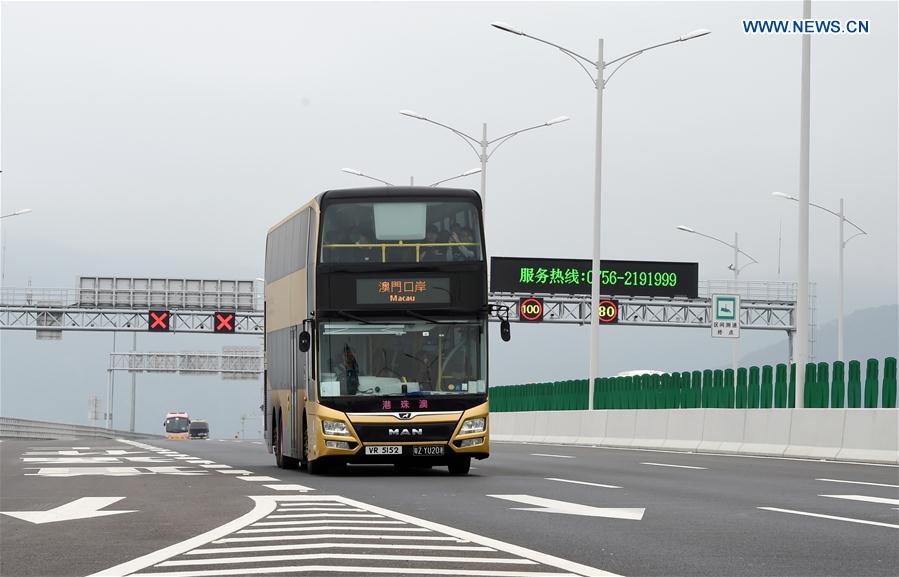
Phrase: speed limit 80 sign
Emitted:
{"points": [[530, 309], [608, 311]]}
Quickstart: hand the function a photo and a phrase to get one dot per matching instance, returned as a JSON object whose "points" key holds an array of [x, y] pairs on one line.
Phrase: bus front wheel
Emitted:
{"points": [[459, 466]]}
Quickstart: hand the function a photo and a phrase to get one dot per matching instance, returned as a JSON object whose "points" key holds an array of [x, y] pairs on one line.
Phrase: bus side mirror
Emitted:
{"points": [[505, 330], [305, 341]]}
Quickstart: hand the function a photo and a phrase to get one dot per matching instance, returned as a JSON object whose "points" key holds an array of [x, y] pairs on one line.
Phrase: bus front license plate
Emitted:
{"points": [[384, 450], [428, 451]]}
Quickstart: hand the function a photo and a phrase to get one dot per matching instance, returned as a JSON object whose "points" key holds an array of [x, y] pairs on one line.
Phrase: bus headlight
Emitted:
{"points": [[473, 426], [335, 428], [337, 444], [470, 442]]}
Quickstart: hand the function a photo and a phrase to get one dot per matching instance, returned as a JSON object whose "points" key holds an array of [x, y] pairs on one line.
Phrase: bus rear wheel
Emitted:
{"points": [[282, 460], [459, 466]]}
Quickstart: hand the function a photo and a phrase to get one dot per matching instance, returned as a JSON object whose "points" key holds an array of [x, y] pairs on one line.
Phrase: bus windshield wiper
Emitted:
{"points": [[352, 317], [424, 318]]}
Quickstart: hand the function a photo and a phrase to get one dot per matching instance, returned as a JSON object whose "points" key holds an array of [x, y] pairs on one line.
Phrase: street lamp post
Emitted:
{"points": [[3, 241], [484, 144], [843, 242], [355, 172], [735, 346], [599, 80]]}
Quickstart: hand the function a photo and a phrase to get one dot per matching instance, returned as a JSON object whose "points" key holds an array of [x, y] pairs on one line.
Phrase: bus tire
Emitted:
{"points": [[317, 467], [459, 466], [304, 460], [282, 460]]}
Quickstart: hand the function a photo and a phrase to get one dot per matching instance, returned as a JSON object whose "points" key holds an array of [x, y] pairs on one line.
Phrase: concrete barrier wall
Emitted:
{"points": [[28, 429], [870, 435]]}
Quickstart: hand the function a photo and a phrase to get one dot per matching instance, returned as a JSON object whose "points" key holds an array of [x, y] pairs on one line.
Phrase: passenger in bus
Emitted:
{"points": [[432, 253], [362, 254], [458, 235]]}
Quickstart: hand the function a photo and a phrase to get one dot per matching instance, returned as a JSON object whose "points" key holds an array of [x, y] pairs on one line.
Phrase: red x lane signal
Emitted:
{"points": [[159, 321], [223, 322]]}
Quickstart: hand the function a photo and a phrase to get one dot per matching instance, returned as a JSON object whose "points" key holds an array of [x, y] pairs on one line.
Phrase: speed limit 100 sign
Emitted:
{"points": [[608, 311], [530, 309]]}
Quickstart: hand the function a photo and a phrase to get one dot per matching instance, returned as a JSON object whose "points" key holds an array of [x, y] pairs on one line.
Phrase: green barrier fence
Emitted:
{"points": [[827, 385]]}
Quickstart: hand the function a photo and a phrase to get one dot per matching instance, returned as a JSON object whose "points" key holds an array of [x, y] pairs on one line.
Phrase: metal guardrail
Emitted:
{"points": [[27, 429]]}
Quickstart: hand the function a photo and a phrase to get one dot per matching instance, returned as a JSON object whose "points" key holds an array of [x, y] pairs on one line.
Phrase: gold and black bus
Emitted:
{"points": [[376, 330]]}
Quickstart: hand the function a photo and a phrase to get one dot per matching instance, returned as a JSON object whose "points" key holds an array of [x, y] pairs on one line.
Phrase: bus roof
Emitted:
{"points": [[400, 191]]}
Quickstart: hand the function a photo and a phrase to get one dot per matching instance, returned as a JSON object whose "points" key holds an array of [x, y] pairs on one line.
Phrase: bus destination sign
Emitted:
{"points": [[574, 276], [402, 290]]}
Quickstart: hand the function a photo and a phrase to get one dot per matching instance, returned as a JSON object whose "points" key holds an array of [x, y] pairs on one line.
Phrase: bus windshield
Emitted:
{"points": [[177, 424], [390, 232], [402, 358]]}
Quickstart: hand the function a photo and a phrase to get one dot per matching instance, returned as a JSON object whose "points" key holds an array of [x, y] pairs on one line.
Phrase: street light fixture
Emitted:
{"points": [[466, 173], [484, 144], [843, 242], [734, 267], [355, 172], [596, 71]]}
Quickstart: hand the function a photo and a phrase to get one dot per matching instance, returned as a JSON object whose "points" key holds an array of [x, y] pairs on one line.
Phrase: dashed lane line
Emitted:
{"points": [[237, 472], [216, 466], [675, 466], [833, 517], [550, 455], [864, 498], [261, 478], [289, 487], [859, 483], [582, 483]]}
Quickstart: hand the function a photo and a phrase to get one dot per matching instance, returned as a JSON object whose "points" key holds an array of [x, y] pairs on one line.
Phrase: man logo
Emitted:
{"points": [[404, 416], [405, 432]]}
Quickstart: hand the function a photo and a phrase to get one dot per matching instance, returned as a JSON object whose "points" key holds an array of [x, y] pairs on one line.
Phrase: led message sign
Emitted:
{"points": [[574, 276], [159, 321], [223, 322], [404, 290]]}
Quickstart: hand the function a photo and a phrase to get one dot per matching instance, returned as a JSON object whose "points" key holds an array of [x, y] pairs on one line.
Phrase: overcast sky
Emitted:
{"points": [[163, 139]]}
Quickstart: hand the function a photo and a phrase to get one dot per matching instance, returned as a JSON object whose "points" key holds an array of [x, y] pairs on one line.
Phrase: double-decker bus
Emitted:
{"points": [[376, 330], [177, 425]]}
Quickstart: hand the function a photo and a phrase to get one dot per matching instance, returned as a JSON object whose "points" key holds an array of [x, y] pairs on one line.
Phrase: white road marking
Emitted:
{"points": [[583, 483], [333, 528], [310, 515], [257, 442], [328, 509], [237, 472], [262, 478], [355, 569], [216, 466], [335, 536], [848, 519], [365, 557], [703, 453], [333, 545], [113, 471], [548, 455], [329, 522], [864, 498], [858, 483], [265, 505], [83, 508], [565, 507], [289, 487], [675, 466]]}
